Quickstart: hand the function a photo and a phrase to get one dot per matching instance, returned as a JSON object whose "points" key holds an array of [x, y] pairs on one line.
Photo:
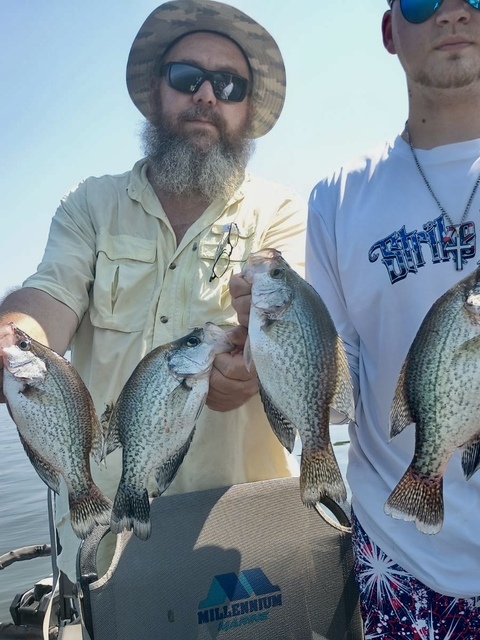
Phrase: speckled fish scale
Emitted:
{"points": [[438, 390], [56, 422], [302, 369]]}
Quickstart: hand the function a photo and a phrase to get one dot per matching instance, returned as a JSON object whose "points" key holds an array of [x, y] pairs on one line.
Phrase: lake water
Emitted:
{"points": [[23, 509], [23, 515]]}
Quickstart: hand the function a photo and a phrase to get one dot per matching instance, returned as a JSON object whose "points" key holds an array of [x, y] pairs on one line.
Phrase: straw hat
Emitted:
{"points": [[172, 20]]}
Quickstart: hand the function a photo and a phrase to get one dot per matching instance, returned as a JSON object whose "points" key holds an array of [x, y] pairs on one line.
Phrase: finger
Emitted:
{"points": [[230, 387], [238, 286], [238, 336], [242, 308], [240, 290], [232, 367], [226, 394], [7, 337]]}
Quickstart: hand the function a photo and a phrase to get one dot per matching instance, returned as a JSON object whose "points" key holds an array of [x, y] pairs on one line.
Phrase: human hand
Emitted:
{"points": [[231, 385], [240, 290]]}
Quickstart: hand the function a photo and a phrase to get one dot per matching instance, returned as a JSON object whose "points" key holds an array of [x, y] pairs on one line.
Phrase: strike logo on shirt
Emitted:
{"points": [[404, 252]]}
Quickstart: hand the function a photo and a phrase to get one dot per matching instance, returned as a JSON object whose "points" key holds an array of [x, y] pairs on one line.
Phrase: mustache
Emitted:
{"points": [[206, 113]]}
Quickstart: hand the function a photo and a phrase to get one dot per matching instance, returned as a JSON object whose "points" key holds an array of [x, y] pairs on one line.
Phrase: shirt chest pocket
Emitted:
{"points": [[125, 276], [225, 248]]}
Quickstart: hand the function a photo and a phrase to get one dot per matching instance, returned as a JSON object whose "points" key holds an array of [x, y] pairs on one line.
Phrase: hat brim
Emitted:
{"points": [[172, 20]]}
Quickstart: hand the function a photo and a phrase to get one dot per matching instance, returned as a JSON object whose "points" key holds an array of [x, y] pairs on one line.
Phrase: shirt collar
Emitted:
{"points": [[139, 184]]}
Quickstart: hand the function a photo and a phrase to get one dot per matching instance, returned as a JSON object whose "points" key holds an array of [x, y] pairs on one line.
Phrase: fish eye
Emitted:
{"points": [[193, 341], [24, 345], [277, 272]]}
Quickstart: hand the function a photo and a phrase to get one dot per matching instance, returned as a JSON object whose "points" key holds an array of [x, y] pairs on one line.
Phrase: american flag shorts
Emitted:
{"points": [[396, 605]]}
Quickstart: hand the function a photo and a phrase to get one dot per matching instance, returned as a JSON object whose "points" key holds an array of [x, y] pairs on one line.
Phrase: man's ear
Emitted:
{"points": [[387, 32]]}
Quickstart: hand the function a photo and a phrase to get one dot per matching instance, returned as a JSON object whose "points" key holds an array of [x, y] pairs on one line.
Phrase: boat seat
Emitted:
{"points": [[244, 562]]}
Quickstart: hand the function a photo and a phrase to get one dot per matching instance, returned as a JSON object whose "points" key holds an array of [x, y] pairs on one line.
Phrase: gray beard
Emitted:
{"points": [[181, 168]]}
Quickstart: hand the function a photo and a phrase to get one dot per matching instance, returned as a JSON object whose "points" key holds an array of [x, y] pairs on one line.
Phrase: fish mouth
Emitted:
{"points": [[264, 254], [16, 358], [196, 359], [259, 262], [196, 370], [275, 308], [216, 337], [472, 305], [17, 363]]}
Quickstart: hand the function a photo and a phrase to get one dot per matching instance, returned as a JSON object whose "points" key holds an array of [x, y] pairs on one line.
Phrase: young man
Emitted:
{"points": [[387, 236], [137, 260]]}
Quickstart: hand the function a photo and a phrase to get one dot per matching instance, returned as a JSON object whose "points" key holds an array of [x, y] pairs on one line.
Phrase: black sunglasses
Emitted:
{"points": [[188, 78], [417, 11]]}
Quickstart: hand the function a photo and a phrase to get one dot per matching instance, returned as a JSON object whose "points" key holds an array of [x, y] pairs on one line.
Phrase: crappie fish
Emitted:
{"points": [[154, 420], [439, 390], [56, 422], [301, 367]]}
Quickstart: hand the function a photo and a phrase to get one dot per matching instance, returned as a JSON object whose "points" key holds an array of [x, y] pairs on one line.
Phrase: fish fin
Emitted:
{"points": [[109, 426], [131, 510], [50, 476], [201, 404], [467, 354], [168, 470], [98, 444], [419, 499], [281, 425], [29, 390], [400, 413], [88, 509], [320, 476], [343, 400], [469, 349], [471, 458], [247, 354]]}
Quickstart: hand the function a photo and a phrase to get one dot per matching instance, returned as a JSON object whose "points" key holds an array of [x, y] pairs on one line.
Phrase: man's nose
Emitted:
{"points": [[453, 11], [205, 94]]}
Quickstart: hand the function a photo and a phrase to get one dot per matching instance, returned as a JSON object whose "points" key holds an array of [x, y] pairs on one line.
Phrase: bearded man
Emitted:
{"points": [[137, 260]]}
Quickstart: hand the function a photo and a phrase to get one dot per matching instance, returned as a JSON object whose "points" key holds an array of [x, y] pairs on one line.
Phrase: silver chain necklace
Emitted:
{"points": [[458, 246]]}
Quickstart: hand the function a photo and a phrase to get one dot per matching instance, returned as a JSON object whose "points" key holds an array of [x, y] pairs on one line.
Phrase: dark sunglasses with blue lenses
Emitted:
{"points": [[417, 11], [188, 78]]}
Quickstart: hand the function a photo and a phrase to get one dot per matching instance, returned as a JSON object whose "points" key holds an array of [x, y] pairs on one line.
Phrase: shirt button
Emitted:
{"points": [[172, 266], [194, 246], [164, 319]]}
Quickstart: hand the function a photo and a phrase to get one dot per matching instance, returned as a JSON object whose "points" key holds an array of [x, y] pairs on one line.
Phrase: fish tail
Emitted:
{"points": [[88, 509], [320, 476], [131, 510], [418, 498]]}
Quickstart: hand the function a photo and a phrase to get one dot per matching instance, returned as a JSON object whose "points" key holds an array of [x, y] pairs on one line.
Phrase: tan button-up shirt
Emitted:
{"points": [[113, 258]]}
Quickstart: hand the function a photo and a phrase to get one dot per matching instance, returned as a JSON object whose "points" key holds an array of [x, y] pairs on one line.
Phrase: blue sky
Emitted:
{"points": [[66, 113]]}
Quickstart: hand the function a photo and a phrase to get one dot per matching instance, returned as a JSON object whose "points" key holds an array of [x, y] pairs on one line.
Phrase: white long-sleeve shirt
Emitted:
{"points": [[376, 256]]}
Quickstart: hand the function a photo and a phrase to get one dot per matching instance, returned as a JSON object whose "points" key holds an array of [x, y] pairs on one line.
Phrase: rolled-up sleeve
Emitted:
{"points": [[67, 269]]}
